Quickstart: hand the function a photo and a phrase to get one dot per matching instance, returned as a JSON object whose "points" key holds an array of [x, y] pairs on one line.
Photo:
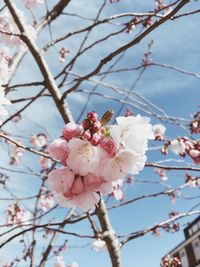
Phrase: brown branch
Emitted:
{"points": [[180, 168], [108, 234], [26, 147], [52, 15], [156, 226], [48, 77], [135, 41]]}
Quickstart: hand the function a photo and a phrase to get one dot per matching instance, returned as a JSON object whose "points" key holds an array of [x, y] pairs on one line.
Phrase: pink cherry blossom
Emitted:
{"points": [[109, 145], [61, 180], [83, 157], [58, 149], [99, 245], [94, 183], [85, 201], [123, 163], [71, 130]]}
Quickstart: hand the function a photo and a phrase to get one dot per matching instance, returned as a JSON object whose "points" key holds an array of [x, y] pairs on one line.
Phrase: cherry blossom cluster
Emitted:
{"points": [[17, 215], [170, 261], [184, 146], [173, 226], [94, 156]]}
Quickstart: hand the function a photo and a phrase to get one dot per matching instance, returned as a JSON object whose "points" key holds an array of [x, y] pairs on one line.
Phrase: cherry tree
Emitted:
{"points": [[79, 137]]}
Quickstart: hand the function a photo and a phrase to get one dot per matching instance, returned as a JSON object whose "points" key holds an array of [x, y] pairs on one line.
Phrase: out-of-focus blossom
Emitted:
{"points": [[162, 173], [32, 3], [159, 131], [39, 140], [195, 124], [16, 154], [17, 118], [45, 163], [7, 24], [99, 245], [17, 215], [46, 200], [3, 102], [177, 146], [170, 261], [117, 192], [192, 181], [59, 261], [63, 54], [73, 264], [5, 59]]}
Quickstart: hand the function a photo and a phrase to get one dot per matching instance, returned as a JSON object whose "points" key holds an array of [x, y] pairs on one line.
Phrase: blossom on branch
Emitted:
{"points": [[97, 158]]}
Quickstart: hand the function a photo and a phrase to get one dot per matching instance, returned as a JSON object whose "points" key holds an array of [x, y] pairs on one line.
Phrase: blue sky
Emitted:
{"points": [[175, 43]]}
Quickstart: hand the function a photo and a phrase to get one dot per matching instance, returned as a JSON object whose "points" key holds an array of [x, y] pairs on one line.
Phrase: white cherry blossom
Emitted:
{"points": [[133, 132], [177, 146]]}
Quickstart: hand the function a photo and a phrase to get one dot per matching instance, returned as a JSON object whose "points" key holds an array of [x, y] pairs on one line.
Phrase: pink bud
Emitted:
{"points": [[86, 124], [59, 150], [92, 116], [95, 127], [96, 138], [71, 130], [164, 150], [86, 135], [194, 153], [77, 187], [109, 145]]}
